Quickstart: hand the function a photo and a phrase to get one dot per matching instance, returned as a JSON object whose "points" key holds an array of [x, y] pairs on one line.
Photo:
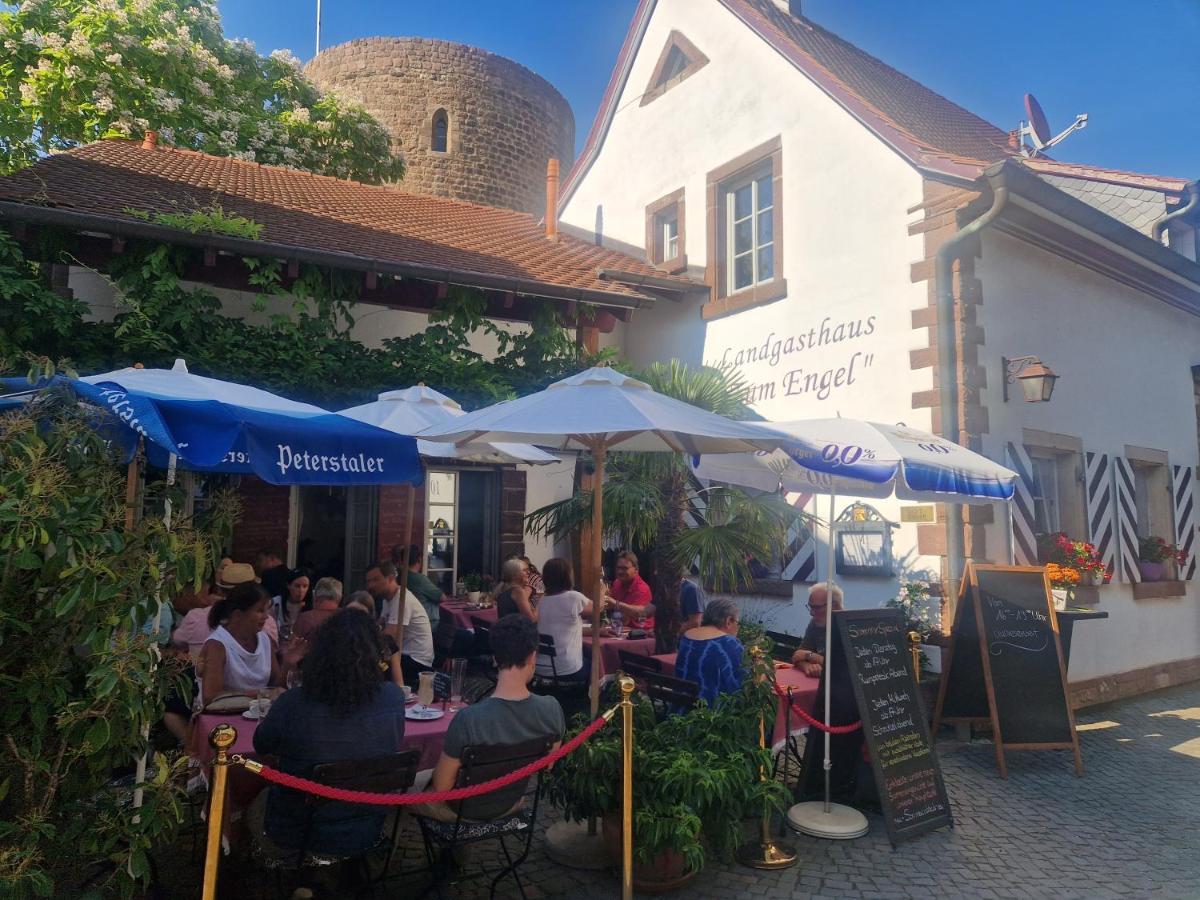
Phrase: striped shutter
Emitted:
{"points": [[1126, 506], [1183, 479], [1024, 537], [1101, 510], [800, 555]]}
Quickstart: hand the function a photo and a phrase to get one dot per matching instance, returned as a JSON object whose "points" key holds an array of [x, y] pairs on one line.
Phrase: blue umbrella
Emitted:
{"points": [[221, 426]]}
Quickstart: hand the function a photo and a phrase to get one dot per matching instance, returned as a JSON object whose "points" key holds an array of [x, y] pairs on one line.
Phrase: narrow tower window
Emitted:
{"points": [[440, 141]]}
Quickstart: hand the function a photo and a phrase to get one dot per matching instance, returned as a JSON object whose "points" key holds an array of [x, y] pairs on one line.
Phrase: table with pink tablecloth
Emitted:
{"points": [[804, 694], [610, 647], [427, 737], [457, 616]]}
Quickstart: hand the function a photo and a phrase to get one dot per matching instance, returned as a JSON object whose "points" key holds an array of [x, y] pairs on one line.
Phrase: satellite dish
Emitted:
{"points": [[1037, 129], [1037, 119]]}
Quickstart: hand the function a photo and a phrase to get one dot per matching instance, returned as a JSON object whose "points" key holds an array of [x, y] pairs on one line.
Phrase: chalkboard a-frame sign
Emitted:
{"points": [[912, 793], [1005, 663]]}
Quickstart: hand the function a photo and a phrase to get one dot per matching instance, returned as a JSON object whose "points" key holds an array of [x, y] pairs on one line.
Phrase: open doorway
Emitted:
{"points": [[321, 537]]}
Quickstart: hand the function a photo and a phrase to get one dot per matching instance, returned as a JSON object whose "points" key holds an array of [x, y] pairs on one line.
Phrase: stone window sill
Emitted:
{"points": [[1159, 590], [761, 294]]}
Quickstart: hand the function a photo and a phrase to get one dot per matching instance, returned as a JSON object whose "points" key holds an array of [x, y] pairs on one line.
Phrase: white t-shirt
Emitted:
{"points": [[418, 635], [559, 617], [244, 671]]}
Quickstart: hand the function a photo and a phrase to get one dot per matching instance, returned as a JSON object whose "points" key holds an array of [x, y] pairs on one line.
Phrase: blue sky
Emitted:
{"points": [[1134, 67]]}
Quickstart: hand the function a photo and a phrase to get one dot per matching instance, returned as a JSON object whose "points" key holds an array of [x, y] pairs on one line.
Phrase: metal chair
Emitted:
{"points": [[483, 646], [546, 650], [475, 820], [393, 773], [785, 645], [668, 694]]}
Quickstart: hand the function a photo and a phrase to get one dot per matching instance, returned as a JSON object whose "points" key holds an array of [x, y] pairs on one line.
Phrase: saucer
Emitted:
{"points": [[423, 713], [252, 717]]}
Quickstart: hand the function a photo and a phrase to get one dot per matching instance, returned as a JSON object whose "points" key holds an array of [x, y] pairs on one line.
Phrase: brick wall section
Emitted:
{"points": [[505, 121], [944, 211], [393, 511], [264, 522]]}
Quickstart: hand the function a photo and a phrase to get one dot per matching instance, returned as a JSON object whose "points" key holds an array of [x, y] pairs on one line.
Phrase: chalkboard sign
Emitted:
{"points": [[1006, 663], [911, 790]]}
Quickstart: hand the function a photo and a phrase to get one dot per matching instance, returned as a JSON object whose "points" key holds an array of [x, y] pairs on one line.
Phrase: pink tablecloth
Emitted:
{"points": [[458, 614], [427, 737], [804, 693], [610, 647]]}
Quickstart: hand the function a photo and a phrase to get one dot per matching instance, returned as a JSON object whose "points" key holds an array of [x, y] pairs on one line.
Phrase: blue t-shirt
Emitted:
{"points": [[690, 601], [715, 664], [304, 734]]}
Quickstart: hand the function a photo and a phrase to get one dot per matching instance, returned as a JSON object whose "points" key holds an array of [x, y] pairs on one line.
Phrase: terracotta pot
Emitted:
{"points": [[665, 873], [1151, 571]]}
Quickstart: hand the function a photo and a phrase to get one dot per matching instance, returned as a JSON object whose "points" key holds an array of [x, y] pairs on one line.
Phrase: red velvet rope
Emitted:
{"points": [[463, 793], [817, 723]]}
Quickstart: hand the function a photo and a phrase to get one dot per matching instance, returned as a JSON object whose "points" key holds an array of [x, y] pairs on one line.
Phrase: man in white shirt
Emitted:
{"points": [[417, 648]]}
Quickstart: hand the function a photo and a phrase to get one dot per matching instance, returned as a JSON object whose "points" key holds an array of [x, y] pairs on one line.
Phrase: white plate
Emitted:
{"points": [[253, 718], [423, 713]]}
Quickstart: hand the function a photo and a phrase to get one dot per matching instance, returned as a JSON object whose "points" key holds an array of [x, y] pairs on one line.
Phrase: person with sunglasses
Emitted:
{"points": [[810, 658]]}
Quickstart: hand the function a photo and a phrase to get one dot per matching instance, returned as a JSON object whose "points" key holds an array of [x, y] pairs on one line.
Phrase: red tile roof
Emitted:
{"points": [[452, 238], [933, 133]]}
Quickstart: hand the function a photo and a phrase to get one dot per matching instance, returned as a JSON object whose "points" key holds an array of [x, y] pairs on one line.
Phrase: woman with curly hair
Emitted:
{"points": [[343, 711]]}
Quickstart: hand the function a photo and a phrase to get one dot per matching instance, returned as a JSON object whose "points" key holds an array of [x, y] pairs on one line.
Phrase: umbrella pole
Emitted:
{"points": [[1012, 538], [599, 452], [823, 818], [404, 560]]}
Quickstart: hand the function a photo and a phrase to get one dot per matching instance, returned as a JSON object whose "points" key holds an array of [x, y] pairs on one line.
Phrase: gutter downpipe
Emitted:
{"points": [[947, 336], [1193, 189]]}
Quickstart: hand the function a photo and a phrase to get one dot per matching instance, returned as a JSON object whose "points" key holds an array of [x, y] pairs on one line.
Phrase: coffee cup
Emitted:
{"points": [[255, 709]]}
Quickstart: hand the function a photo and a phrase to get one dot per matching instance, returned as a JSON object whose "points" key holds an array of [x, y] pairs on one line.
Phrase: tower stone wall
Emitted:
{"points": [[504, 122]]}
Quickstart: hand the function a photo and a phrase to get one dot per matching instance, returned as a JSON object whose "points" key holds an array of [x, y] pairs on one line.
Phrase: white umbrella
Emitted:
{"points": [[850, 456], [414, 409], [598, 410]]}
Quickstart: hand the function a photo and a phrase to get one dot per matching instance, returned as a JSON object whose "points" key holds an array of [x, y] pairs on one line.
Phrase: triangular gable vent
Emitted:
{"points": [[679, 59]]}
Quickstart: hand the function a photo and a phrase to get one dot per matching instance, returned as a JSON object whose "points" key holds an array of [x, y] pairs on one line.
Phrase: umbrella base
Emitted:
{"points": [[841, 823], [766, 855], [570, 845]]}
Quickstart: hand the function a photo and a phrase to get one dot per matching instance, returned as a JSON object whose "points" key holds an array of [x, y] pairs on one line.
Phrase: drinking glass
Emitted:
{"points": [[285, 633], [264, 701], [425, 689], [294, 678], [458, 677]]}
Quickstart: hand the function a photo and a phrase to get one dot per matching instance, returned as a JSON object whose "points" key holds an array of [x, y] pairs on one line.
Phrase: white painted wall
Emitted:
{"points": [[1124, 361], [846, 255]]}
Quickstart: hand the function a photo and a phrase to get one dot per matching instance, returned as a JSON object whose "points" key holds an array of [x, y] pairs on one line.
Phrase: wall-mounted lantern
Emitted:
{"points": [[1036, 378]]}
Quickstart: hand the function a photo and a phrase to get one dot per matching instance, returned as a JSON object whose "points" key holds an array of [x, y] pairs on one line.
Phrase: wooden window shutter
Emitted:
{"points": [[1183, 502], [1101, 509], [1126, 507], [1023, 516], [512, 512], [800, 555]]}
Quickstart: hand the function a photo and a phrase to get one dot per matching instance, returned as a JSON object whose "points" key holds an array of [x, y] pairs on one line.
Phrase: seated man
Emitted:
{"points": [[417, 642], [691, 603], [419, 583], [511, 715], [811, 655], [327, 600], [632, 593]]}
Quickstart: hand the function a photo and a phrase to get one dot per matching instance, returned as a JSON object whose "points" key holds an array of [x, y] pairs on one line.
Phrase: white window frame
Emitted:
{"points": [[1047, 499], [670, 241], [731, 257], [430, 517]]}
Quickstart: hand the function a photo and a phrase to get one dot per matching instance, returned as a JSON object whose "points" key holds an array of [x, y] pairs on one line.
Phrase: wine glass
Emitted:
{"points": [[294, 678]]}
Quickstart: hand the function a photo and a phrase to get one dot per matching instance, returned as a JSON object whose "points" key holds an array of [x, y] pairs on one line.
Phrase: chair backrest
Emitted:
{"points": [[546, 646], [388, 774], [636, 663], [487, 761], [785, 645], [483, 636], [668, 693]]}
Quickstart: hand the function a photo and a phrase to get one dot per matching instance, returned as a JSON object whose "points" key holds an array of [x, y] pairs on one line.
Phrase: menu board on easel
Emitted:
{"points": [[1005, 663], [912, 792]]}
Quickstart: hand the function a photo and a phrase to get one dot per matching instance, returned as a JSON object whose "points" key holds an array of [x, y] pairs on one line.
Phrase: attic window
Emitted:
{"points": [[440, 138], [679, 60]]}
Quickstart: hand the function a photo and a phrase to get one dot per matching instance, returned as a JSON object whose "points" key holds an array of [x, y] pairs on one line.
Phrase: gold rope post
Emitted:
{"points": [[914, 646], [221, 738], [764, 853], [626, 684]]}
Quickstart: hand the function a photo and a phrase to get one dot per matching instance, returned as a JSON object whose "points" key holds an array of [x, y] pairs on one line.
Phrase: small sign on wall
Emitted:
{"points": [[920, 514]]}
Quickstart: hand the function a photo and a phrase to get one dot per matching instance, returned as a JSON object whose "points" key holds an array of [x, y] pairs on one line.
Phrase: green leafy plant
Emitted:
{"points": [[473, 581], [80, 678], [1155, 549], [922, 613], [695, 776], [211, 219], [76, 71]]}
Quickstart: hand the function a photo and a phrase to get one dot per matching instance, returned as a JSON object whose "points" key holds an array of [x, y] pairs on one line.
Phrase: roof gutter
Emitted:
{"points": [[48, 215], [658, 282], [948, 380], [1193, 190]]}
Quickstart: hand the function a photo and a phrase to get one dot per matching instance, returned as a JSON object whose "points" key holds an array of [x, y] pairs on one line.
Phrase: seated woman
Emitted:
{"points": [[711, 655], [238, 656], [389, 663], [559, 615], [513, 595], [343, 711]]}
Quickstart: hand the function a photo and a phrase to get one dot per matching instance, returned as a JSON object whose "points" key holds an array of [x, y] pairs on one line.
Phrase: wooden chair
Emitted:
{"points": [[473, 824], [392, 773], [669, 694], [785, 645], [636, 665], [483, 646]]}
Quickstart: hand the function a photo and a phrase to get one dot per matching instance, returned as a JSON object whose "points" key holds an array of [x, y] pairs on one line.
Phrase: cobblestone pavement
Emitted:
{"points": [[1126, 829]]}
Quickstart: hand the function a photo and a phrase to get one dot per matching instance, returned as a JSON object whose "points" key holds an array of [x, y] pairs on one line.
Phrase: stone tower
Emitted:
{"points": [[471, 125]]}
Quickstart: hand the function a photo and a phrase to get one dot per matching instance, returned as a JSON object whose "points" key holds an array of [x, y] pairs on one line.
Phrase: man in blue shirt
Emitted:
{"points": [[691, 603]]}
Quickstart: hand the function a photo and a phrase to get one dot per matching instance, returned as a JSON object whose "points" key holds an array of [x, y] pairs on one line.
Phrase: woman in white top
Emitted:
{"points": [[238, 656], [560, 613]]}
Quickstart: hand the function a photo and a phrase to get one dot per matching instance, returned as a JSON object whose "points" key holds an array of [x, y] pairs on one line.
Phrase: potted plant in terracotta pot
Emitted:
{"points": [[695, 782], [1157, 560]]}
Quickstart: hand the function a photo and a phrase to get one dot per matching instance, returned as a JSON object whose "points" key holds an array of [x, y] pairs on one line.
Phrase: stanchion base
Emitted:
{"points": [[570, 845], [766, 855], [841, 823]]}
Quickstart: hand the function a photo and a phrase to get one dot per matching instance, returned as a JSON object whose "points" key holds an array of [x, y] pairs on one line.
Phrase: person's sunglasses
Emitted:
{"points": [[817, 607]]}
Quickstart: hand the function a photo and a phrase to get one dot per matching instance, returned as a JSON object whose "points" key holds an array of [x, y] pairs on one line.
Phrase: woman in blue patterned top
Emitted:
{"points": [[711, 655]]}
